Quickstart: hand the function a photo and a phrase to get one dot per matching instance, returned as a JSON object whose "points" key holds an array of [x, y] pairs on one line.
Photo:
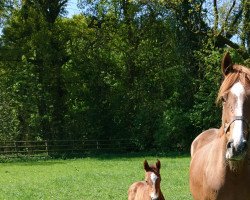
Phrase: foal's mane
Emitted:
{"points": [[238, 73], [153, 168]]}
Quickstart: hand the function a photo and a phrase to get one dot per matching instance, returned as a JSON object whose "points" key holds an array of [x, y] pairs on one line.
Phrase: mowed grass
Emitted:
{"points": [[90, 178]]}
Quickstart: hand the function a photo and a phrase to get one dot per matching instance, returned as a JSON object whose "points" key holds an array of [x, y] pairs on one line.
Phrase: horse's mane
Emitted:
{"points": [[153, 168], [238, 73]]}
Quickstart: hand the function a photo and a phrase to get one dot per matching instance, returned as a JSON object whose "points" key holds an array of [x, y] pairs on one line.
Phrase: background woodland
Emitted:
{"points": [[145, 70]]}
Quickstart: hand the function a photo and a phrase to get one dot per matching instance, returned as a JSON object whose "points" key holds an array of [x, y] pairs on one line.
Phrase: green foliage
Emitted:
{"points": [[206, 113], [145, 70], [8, 119]]}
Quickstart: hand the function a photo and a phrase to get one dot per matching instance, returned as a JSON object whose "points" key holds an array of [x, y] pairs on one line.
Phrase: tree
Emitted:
{"points": [[34, 30], [144, 70]]}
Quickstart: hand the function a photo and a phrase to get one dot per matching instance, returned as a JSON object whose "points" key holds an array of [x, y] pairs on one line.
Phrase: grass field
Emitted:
{"points": [[90, 178]]}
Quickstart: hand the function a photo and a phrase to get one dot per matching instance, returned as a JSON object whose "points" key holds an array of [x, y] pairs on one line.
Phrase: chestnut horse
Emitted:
{"points": [[150, 188], [219, 167]]}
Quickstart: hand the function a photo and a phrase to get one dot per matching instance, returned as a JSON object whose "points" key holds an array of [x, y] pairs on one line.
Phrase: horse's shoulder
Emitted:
{"points": [[135, 189], [136, 185], [203, 139]]}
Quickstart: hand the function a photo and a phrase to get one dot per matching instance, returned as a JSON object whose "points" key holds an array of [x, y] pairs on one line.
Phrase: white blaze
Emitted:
{"points": [[154, 194], [239, 91]]}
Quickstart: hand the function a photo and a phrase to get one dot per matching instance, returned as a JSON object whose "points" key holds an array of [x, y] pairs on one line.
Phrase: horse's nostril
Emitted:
{"points": [[230, 144], [241, 147], [244, 146]]}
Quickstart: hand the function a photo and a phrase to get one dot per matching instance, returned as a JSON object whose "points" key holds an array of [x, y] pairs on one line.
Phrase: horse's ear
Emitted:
{"points": [[146, 166], [226, 64], [158, 164]]}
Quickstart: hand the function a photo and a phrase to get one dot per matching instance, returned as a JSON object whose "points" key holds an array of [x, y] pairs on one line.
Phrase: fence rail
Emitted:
{"points": [[64, 146]]}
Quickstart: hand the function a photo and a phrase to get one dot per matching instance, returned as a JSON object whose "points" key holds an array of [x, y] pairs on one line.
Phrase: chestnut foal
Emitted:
{"points": [[150, 188]]}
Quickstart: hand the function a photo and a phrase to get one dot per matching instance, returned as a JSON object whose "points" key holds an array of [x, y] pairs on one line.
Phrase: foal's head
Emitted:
{"points": [[153, 179], [235, 95]]}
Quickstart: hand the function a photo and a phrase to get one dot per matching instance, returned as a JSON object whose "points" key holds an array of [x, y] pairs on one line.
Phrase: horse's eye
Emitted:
{"points": [[224, 98]]}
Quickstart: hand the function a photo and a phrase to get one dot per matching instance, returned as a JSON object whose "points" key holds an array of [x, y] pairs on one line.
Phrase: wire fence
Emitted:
{"points": [[45, 147]]}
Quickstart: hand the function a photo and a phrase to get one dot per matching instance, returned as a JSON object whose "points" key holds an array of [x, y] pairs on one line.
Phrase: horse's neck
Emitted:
{"points": [[216, 156], [161, 196], [146, 187]]}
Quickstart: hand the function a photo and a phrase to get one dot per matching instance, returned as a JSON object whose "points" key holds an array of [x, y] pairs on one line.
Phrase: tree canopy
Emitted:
{"points": [[142, 70]]}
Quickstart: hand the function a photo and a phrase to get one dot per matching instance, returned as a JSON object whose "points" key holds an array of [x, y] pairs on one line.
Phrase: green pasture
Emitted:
{"points": [[89, 178]]}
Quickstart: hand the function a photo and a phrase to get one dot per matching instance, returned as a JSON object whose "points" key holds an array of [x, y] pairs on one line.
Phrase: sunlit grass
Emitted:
{"points": [[102, 177]]}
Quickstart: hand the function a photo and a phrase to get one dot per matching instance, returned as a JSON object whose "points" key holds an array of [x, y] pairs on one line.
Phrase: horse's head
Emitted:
{"points": [[235, 95], [153, 179]]}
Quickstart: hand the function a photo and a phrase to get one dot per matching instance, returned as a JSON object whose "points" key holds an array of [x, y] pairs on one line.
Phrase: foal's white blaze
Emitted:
{"points": [[239, 91], [154, 194]]}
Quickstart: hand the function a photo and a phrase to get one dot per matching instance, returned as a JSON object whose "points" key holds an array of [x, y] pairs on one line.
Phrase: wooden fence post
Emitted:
{"points": [[15, 150], [46, 147]]}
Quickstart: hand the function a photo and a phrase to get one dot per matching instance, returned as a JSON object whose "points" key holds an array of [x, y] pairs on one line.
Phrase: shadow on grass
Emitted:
{"points": [[29, 160], [38, 160], [110, 156]]}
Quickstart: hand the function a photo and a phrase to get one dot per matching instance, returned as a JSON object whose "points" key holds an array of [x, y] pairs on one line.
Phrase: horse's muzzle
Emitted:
{"points": [[236, 152]]}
